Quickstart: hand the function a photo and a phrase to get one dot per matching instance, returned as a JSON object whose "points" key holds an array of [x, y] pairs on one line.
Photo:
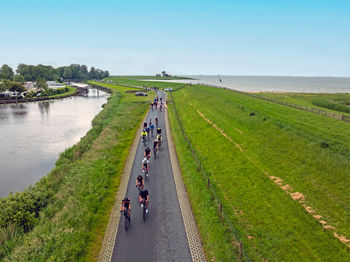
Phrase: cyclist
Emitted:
{"points": [[145, 165], [140, 182], [155, 147], [152, 106], [147, 153], [148, 130], [144, 135], [152, 129], [156, 120], [150, 122], [159, 138], [144, 195], [159, 131], [126, 205], [160, 106], [145, 125]]}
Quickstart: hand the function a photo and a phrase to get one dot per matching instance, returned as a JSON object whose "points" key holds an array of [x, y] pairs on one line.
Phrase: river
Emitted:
{"points": [[33, 134]]}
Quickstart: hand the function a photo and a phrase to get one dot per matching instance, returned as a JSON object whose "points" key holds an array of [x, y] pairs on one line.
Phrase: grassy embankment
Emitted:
{"points": [[269, 167], [336, 103], [65, 214]]}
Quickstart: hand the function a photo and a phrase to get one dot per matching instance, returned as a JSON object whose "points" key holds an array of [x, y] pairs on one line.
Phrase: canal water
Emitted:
{"points": [[33, 134]]}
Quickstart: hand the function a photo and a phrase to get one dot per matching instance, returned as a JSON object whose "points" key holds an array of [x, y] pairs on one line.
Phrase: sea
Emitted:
{"points": [[273, 83]]}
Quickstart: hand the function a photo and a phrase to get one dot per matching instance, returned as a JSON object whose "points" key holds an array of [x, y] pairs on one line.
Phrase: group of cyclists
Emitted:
{"points": [[157, 102], [148, 130]]}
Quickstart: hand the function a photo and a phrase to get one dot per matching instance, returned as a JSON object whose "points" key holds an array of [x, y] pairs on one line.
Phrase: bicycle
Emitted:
{"points": [[155, 153], [144, 140], [146, 173], [159, 144], [126, 219], [144, 208], [140, 188]]}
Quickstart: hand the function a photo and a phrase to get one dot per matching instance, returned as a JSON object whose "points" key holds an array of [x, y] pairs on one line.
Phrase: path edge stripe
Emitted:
{"points": [[193, 238], [109, 239]]}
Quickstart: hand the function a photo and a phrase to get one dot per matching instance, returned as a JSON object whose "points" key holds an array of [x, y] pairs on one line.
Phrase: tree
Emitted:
{"points": [[67, 73], [6, 72], [20, 68], [2, 87], [84, 72], [6, 84], [16, 86], [18, 78], [41, 84], [92, 73]]}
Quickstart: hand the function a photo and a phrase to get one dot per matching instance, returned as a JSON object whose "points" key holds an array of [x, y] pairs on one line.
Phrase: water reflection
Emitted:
{"points": [[44, 107], [33, 134], [18, 110]]}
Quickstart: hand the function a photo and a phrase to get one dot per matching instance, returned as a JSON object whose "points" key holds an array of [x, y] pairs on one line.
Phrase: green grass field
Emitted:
{"points": [[307, 99], [241, 142], [132, 80], [82, 188]]}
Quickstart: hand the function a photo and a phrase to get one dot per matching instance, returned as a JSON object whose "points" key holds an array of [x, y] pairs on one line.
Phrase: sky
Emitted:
{"points": [[183, 37]]}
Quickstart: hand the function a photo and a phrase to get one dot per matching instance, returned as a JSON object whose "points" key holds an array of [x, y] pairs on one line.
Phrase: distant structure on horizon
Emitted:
{"points": [[164, 74]]}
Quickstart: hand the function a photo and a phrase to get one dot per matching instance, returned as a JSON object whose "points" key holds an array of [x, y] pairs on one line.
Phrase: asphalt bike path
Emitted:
{"points": [[162, 236]]}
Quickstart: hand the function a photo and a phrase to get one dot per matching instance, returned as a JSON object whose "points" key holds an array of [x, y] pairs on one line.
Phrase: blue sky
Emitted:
{"points": [[286, 37]]}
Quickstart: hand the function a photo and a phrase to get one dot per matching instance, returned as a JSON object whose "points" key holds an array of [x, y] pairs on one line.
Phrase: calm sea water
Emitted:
{"points": [[33, 134], [276, 83]]}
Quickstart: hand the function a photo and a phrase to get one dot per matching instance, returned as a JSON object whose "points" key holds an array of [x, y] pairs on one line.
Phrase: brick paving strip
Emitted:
{"points": [[186, 211]]}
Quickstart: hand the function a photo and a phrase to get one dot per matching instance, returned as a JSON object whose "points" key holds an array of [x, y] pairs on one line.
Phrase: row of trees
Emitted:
{"points": [[31, 73]]}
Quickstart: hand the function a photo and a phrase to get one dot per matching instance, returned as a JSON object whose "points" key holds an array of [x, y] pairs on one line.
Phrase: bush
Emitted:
{"points": [[326, 104], [22, 208]]}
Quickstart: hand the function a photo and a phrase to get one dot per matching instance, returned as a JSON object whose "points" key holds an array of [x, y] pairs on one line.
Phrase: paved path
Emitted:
{"points": [[162, 236]]}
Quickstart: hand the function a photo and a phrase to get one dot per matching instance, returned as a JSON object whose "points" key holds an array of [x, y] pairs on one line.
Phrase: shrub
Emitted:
{"points": [[326, 104], [22, 208]]}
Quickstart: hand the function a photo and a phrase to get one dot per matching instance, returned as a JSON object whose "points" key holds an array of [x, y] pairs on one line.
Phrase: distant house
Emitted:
{"points": [[29, 85]]}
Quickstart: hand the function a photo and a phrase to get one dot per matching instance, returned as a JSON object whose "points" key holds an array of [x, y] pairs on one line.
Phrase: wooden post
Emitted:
{"points": [[240, 249], [208, 185], [220, 208]]}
